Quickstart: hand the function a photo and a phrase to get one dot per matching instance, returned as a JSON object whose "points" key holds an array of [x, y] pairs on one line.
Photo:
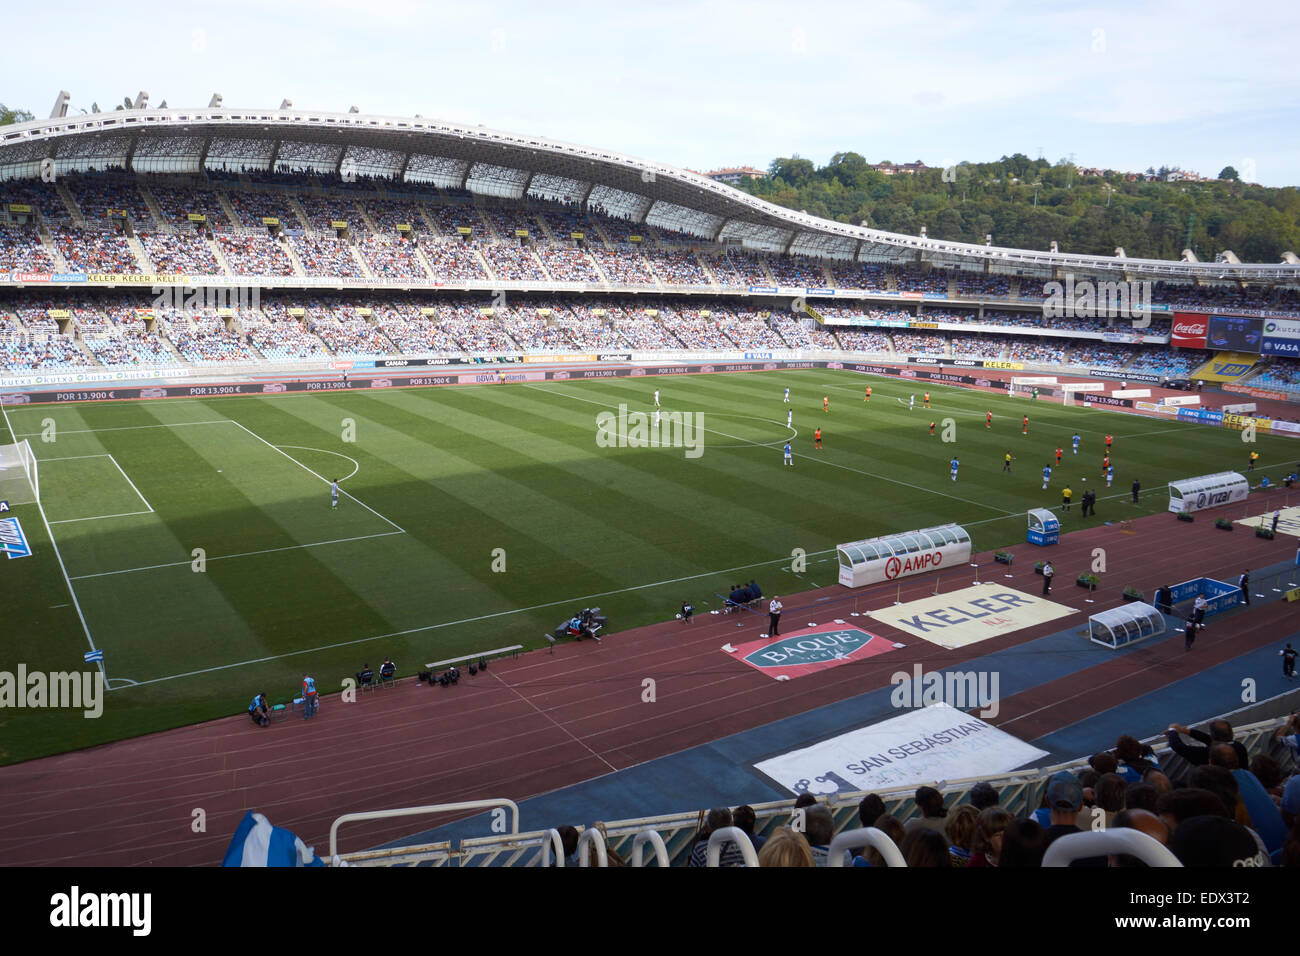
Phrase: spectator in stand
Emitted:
{"points": [[983, 795], [1108, 800], [743, 818], [1103, 762], [1290, 805], [933, 815], [925, 848], [870, 809], [1132, 757], [1269, 774], [891, 827], [1289, 734], [986, 844], [960, 832], [1023, 844], [1179, 805], [820, 831], [1064, 801], [1141, 796], [786, 848], [569, 837], [1144, 821], [1213, 841], [1157, 779], [1220, 732], [718, 818]]}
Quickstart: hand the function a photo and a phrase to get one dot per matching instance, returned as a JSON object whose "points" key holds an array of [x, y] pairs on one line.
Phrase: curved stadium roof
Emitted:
{"points": [[509, 166]]}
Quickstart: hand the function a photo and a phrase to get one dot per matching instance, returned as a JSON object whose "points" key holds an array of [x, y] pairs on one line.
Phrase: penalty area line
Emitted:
{"points": [[466, 620]]}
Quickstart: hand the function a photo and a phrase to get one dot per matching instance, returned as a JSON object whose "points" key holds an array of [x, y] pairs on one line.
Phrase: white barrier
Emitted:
{"points": [[878, 840], [730, 835], [1077, 846], [417, 811]]}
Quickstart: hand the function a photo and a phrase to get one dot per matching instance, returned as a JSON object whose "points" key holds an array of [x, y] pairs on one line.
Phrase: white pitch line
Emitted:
{"points": [[124, 514], [55, 545], [468, 620], [895, 481], [355, 466], [76, 457], [224, 557], [131, 483], [122, 428], [309, 471]]}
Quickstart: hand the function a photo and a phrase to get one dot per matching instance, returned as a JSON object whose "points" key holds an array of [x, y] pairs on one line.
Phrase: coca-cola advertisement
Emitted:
{"points": [[1189, 330]]}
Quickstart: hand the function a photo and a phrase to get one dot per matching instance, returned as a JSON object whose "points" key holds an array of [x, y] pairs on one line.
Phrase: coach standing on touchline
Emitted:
{"points": [[774, 616]]}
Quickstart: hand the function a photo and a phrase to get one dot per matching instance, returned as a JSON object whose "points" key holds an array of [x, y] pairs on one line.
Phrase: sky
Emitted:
{"points": [[1191, 84]]}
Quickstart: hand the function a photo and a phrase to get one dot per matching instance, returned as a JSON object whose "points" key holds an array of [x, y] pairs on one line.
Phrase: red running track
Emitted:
{"points": [[548, 720]]}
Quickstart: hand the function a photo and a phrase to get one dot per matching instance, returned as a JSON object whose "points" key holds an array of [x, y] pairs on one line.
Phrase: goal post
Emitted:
{"points": [[1026, 384], [19, 474]]}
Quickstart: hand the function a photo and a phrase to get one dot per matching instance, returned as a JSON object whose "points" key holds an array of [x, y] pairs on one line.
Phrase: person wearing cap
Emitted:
{"points": [[1064, 801]]}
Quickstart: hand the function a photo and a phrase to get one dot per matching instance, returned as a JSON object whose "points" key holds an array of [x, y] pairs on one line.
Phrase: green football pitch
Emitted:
{"points": [[194, 541]]}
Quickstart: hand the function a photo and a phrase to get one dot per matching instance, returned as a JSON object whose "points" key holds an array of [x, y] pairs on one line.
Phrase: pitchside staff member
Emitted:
{"points": [[261, 716], [774, 616]]}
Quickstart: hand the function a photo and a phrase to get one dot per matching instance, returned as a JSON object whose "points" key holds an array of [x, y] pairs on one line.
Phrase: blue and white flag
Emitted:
{"points": [[257, 843], [96, 655]]}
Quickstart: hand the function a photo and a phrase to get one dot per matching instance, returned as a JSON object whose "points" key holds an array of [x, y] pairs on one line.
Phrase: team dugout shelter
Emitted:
{"points": [[1207, 491], [1120, 626], [893, 556]]}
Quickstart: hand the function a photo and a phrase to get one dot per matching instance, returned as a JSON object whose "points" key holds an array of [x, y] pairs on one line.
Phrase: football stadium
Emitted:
{"points": [[554, 506]]}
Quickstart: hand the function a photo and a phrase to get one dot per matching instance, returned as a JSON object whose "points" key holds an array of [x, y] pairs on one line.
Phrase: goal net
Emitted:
{"points": [[19, 474], [1026, 385]]}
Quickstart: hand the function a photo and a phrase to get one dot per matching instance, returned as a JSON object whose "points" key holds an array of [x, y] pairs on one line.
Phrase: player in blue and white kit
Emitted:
{"points": [[1076, 443], [1047, 475], [789, 457], [953, 465], [911, 403], [787, 396], [789, 418], [334, 493], [1110, 474], [656, 398]]}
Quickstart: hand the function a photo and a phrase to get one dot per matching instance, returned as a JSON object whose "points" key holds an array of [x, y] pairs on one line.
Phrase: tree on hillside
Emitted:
{"points": [[8, 115], [1229, 173]]}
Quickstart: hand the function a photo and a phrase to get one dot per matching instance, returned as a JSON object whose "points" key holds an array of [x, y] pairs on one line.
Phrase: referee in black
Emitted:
{"points": [[1137, 486], [774, 616]]}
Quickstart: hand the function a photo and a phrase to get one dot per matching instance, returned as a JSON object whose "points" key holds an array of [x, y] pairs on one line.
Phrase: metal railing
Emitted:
{"points": [[673, 835]]}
